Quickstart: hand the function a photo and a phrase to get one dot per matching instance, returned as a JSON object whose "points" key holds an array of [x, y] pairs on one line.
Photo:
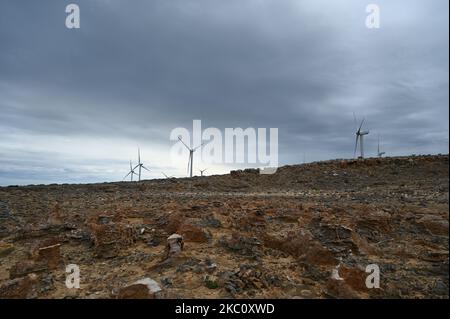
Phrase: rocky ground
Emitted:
{"points": [[308, 231]]}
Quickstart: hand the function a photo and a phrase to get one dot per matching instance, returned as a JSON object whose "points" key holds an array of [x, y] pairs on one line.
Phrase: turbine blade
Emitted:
{"points": [[200, 145], [145, 168], [362, 122], [184, 143], [355, 121], [139, 155], [127, 175]]}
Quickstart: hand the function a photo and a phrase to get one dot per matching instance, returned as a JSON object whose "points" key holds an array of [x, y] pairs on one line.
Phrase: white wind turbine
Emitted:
{"points": [[380, 154], [360, 138], [191, 155], [140, 165], [131, 172], [202, 171]]}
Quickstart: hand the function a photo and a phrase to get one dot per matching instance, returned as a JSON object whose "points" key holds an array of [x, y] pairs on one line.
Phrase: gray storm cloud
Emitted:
{"points": [[75, 104]]}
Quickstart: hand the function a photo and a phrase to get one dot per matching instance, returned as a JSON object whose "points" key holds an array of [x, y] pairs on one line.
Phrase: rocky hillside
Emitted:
{"points": [[308, 231]]}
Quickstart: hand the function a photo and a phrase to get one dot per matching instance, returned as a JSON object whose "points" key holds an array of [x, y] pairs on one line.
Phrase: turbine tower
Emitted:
{"points": [[380, 154], [131, 172], [360, 138], [140, 165], [191, 155]]}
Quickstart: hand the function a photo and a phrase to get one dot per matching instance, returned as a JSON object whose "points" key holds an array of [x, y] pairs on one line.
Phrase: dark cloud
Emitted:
{"points": [[135, 70]]}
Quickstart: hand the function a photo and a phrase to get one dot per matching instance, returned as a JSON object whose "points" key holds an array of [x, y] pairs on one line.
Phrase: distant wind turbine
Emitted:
{"points": [[380, 154], [131, 172], [360, 137], [202, 171], [166, 176], [140, 165], [191, 155]]}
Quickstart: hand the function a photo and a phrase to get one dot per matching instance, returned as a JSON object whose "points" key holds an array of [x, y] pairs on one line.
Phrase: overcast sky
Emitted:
{"points": [[76, 103]]}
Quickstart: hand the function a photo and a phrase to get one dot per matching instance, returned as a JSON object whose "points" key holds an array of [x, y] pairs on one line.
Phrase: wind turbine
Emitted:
{"points": [[360, 137], [140, 165], [191, 155], [202, 171], [380, 154], [131, 172]]}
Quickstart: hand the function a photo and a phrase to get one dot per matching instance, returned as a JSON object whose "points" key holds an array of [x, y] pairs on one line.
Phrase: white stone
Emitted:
{"points": [[150, 283]]}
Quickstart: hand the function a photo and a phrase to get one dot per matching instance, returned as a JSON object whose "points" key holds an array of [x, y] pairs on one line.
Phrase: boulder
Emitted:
{"points": [[355, 278], [109, 237], [174, 246], [51, 255], [193, 234], [173, 222], [145, 288]]}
